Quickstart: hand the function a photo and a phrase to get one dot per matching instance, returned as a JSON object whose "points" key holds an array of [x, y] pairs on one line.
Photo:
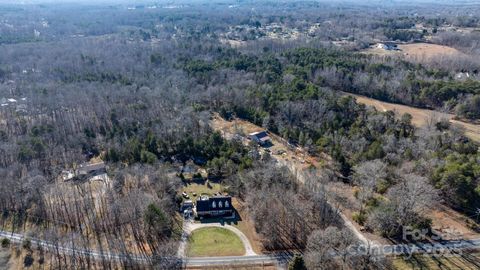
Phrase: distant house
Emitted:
{"points": [[260, 137], [86, 171], [388, 46], [93, 169], [214, 206], [462, 75]]}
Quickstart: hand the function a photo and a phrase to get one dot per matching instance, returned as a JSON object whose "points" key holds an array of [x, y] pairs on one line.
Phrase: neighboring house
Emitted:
{"points": [[91, 170], [260, 137], [94, 171], [462, 75], [214, 206], [188, 204], [387, 46]]}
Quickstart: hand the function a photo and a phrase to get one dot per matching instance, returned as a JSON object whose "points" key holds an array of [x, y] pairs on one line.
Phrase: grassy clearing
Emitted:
{"points": [[202, 188], [206, 242], [418, 52], [465, 261]]}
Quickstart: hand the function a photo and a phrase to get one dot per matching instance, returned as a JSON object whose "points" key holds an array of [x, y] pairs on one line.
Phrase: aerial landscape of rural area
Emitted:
{"points": [[240, 134]]}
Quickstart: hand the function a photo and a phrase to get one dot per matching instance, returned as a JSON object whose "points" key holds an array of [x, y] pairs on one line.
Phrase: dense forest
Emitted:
{"points": [[136, 87]]}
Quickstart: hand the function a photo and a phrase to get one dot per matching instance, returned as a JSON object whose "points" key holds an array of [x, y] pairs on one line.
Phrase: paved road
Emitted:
{"points": [[69, 249], [245, 260], [380, 250], [204, 261]]}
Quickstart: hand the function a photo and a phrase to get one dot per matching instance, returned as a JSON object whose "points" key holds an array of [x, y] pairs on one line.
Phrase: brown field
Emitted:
{"points": [[427, 50], [422, 117], [420, 52]]}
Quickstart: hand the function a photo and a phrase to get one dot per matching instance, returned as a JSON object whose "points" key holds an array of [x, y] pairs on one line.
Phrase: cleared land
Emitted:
{"points": [[340, 193], [426, 50], [300, 163], [421, 117], [202, 188], [439, 262], [419, 51], [210, 242]]}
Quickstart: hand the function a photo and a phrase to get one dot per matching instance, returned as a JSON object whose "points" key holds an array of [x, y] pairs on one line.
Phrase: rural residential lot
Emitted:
{"points": [[239, 134]]}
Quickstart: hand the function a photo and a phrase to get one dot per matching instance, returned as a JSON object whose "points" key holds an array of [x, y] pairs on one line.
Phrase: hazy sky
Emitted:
{"points": [[196, 1]]}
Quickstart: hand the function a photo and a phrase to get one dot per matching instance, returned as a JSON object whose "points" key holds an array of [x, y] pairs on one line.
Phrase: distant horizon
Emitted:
{"points": [[140, 2]]}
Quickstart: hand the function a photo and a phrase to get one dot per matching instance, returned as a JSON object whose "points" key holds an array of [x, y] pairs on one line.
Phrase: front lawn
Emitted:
{"points": [[209, 242]]}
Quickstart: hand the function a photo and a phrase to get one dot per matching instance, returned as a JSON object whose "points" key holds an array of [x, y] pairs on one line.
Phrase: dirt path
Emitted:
{"points": [[299, 163], [341, 194], [421, 117]]}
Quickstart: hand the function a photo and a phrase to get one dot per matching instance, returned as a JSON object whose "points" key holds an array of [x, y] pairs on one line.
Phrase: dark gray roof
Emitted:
{"points": [[262, 135], [207, 205], [88, 168]]}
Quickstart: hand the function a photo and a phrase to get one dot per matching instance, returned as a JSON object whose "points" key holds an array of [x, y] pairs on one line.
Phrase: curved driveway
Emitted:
{"points": [[189, 227]]}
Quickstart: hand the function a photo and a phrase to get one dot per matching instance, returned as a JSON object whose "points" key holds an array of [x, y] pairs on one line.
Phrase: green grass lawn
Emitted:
{"points": [[465, 261], [200, 189], [206, 242]]}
